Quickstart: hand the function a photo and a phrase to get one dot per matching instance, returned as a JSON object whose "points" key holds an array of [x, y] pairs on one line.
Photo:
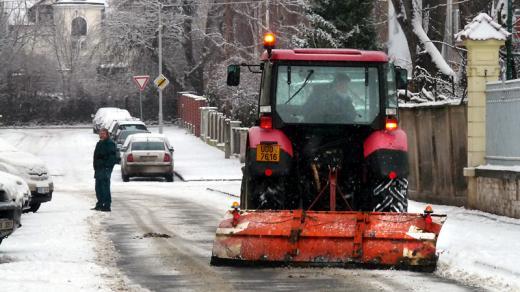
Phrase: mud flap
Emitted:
{"points": [[314, 238]]}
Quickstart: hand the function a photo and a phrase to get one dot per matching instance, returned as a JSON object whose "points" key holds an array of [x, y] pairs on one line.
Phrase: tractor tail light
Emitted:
{"points": [[266, 122], [391, 124]]}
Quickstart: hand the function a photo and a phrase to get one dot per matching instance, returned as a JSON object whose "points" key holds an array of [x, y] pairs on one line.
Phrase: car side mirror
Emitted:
{"points": [[122, 149], [233, 75], [171, 149], [401, 77]]}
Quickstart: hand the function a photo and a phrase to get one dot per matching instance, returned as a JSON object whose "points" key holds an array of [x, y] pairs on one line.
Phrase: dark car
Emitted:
{"points": [[121, 137], [13, 191]]}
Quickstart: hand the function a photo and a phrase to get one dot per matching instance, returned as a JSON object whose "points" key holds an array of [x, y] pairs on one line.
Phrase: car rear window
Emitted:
{"points": [[132, 127], [148, 146]]}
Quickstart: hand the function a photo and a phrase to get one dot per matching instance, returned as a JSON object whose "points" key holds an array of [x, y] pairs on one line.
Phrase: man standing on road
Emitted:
{"points": [[104, 160]]}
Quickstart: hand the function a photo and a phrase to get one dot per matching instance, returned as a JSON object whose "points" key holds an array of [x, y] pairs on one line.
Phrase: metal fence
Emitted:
{"points": [[503, 123]]}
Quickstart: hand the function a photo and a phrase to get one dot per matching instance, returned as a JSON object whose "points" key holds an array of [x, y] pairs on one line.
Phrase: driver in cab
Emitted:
{"points": [[332, 105]]}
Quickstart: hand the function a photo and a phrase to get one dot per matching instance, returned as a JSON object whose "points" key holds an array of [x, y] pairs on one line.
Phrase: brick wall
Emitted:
{"points": [[189, 111]]}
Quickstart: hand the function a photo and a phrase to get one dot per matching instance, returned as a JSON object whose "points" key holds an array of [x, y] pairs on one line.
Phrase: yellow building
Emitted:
{"points": [[73, 26]]}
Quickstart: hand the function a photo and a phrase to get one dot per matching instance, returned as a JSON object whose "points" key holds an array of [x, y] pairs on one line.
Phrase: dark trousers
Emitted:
{"points": [[104, 198]]}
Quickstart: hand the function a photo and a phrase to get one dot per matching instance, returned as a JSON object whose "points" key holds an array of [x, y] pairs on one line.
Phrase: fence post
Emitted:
{"points": [[235, 147], [227, 138], [243, 146]]}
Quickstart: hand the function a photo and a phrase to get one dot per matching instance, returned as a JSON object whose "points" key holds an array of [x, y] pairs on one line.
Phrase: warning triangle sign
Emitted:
{"points": [[141, 81]]}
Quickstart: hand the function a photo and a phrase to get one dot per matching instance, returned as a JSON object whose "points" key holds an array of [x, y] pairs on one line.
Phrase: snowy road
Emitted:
{"points": [[159, 234]]}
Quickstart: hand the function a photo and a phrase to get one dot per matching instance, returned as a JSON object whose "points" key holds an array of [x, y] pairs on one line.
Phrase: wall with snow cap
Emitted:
{"points": [[482, 28]]}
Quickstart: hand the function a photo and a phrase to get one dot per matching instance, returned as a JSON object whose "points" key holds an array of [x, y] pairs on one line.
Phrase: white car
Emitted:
{"points": [[14, 193], [147, 155], [119, 125], [31, 169], [97, 119], [109, 117]]}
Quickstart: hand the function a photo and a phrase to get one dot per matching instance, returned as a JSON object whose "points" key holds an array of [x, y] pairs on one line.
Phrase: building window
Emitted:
{"points": [[79, 27]]}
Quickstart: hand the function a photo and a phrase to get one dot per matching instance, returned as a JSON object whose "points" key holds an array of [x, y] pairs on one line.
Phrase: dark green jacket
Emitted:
{"points": [[105, 154]]}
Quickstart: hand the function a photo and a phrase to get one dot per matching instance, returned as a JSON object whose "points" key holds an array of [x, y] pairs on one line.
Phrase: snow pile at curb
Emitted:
{"points": [[52, 251], [477, 248]]}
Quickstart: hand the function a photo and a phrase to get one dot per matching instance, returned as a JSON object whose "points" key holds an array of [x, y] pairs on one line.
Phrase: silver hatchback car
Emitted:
{"points": [[147, 155]]}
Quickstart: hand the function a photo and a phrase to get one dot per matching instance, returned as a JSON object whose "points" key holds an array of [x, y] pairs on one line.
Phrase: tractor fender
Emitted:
{"points": [[387, 151], [257, 135]]}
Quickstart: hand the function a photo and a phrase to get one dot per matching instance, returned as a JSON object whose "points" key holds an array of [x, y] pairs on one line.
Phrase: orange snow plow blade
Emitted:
{"points": [[314, 238]]}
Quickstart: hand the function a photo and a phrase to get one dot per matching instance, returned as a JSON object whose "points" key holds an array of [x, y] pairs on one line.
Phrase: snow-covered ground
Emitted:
{"points": [[478, 248], [53, 250], [57, 249]]}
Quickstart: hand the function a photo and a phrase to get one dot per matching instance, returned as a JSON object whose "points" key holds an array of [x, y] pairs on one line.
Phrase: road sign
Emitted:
{"points": [[161, 82], [141, 81]]}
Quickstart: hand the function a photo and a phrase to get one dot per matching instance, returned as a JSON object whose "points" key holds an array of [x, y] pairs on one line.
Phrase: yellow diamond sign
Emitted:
{"points": [[161, 82]]}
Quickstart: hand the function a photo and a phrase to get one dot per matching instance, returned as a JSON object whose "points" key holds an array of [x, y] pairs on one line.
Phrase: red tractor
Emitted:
{"points": [[325, 177]]}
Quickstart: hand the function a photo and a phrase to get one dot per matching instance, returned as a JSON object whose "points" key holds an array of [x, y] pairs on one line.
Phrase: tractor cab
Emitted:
{"points": [[324, 104]]}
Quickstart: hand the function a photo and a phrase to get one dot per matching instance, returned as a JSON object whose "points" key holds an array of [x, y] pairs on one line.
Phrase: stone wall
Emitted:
{"points": [[498, 192]]}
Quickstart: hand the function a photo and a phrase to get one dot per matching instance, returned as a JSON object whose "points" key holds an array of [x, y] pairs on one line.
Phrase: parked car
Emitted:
{"points": [[119, 115], [120, 125], [120, 138], [32, 170], [13, 192], [11, 170], [147, 155], [97, 119]]}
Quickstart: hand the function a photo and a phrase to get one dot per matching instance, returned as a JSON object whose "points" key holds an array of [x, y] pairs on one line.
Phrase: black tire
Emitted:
{"points": [[390, 195], [126, 178], [245, 190], [262, 193], [34, 207], [169, 177]]}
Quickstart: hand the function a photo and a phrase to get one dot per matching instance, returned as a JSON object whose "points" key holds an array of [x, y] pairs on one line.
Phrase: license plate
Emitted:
{"points": [[268, 153], [148, 158], [42, 190], [6, 224]]}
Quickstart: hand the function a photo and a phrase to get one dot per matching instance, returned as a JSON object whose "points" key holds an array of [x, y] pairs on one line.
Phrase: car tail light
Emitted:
{"points": [[391, 124], [167, 158], [392, 175], [266, 122], [130, 158]]}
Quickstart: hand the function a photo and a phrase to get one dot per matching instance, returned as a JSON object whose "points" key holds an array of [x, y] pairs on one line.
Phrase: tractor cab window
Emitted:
{"points": [[391, 86], [327, 95]]}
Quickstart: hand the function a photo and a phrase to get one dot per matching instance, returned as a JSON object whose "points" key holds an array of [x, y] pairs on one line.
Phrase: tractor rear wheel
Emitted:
{"points": [[262, 193], [390, 195]]}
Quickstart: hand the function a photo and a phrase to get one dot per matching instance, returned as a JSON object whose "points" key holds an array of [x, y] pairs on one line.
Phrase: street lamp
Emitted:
{"points": [[160, 71]]}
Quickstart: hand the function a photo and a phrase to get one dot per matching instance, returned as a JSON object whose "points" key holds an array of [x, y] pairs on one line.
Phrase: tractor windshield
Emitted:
{"points": [[327, 95]]}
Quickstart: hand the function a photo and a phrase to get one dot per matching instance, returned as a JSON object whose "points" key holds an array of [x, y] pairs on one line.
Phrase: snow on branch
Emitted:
{"points": [[432, 50]]}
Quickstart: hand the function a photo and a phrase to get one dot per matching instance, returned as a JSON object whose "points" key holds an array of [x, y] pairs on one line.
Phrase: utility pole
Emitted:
{"points": [[160, 71], [509, 42]]}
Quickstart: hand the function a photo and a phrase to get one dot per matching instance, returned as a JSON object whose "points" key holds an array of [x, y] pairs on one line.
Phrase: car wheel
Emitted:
{"points": [[126, 178], [34, 207], [169, 177]]}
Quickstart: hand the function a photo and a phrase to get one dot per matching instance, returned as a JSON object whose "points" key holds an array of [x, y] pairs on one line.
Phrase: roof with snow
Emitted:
{"points": [[482, 27]]}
